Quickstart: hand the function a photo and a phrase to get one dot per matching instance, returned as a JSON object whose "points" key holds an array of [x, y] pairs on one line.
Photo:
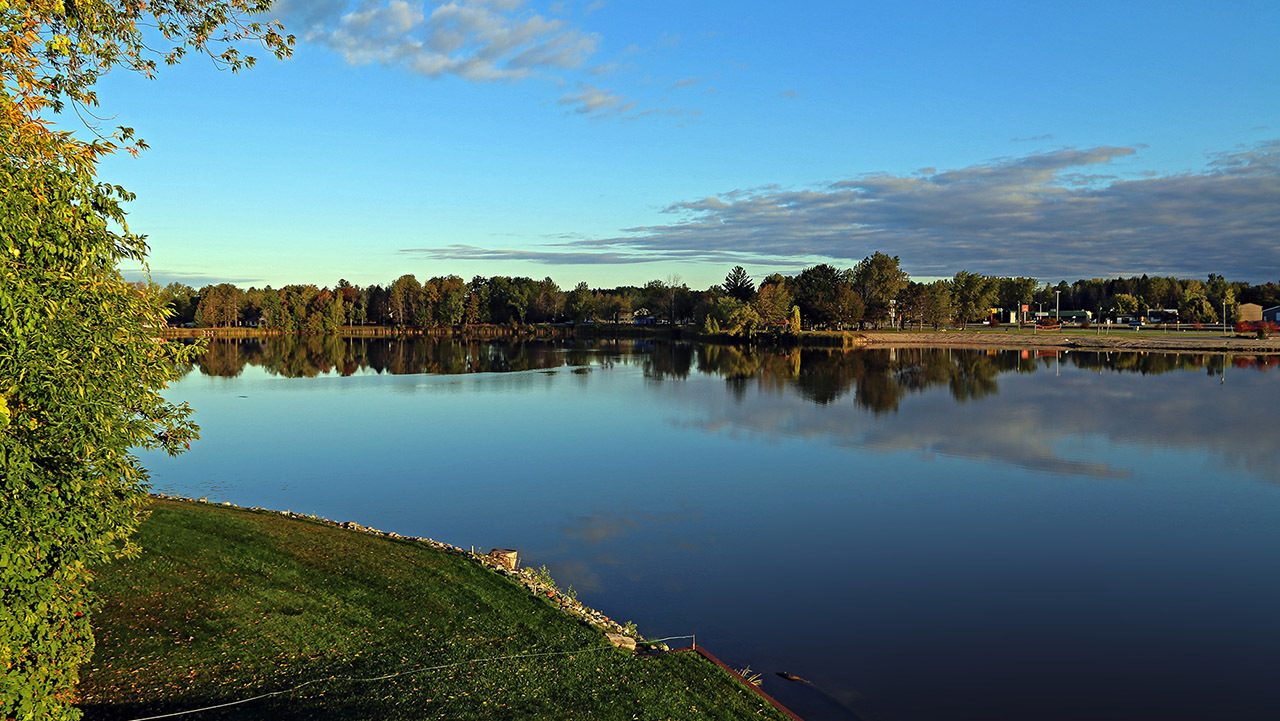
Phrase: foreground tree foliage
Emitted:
{"points": [[79, 373]]}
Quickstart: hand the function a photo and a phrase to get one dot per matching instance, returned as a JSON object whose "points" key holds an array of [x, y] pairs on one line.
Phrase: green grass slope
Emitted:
{"points": [[227, 604]]}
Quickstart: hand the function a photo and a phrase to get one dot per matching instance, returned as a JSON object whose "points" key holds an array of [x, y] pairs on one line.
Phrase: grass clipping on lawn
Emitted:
{"points": [[226, 604]]}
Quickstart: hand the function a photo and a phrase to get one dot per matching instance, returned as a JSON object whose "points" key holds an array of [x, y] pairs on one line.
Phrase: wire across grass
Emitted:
{"points": [[319, 622]]}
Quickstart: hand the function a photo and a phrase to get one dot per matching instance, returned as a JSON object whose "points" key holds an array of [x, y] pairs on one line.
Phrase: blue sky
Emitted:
{"points": [[618, 142]]}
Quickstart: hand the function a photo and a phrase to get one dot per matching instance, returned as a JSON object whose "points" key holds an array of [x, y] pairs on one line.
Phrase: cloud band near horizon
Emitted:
{"points": [[1048, 215]]}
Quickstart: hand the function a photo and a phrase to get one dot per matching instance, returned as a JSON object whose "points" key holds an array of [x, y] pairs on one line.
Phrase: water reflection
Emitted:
{"points": [[311, 356], [1026, 430], [922, 533], [878, 379]]}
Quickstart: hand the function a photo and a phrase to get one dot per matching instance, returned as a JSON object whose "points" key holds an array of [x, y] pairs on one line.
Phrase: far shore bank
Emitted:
{"points": [[1011, 337], [1084, 339]]}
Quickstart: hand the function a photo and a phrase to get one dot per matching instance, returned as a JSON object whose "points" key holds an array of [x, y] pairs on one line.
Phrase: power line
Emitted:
{"points": [[397, 674]]}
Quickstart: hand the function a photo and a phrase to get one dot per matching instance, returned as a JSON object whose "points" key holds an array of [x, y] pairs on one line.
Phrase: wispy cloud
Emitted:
{"points": [[596, 102], [560, 254], [789, 94], [478, 40], [1068, 213], [197, 280]]}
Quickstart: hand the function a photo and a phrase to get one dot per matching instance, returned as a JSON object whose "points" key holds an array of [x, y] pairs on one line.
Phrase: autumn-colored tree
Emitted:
{"points": [[404, 298], [477, 310], [335, 313], [219, 305], [773, 301], [79, 372]]}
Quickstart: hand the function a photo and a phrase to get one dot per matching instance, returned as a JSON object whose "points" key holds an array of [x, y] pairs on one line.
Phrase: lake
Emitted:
{"points": [[920, 533]]}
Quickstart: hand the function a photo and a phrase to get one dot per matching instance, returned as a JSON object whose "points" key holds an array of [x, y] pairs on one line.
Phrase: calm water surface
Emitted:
{"points": [[922, 533]]}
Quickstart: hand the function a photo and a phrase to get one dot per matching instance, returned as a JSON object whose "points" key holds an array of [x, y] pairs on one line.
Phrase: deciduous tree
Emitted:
{"points": [[773, 301], [80, 375], [580, 304], [1013, 293], [1123, 304], [973, 295], [404, 297], [878, 280], [939, 305], [826, 297]]}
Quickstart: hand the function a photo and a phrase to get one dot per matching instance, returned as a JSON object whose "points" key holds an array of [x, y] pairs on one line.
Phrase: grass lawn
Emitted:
{"points": [[226, 604]]}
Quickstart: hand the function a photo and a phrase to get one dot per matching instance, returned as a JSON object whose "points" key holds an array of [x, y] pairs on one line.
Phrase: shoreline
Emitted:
{"points": [[325, 618], [1012, 338], [525, 576], [1072, 340]]}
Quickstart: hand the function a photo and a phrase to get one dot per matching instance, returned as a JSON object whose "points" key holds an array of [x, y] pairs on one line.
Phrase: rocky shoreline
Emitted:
{"points": [[535, 582]]}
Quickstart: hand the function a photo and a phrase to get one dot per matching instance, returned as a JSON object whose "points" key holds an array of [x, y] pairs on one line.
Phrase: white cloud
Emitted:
{"points": [[475, 39], [478, 40]]}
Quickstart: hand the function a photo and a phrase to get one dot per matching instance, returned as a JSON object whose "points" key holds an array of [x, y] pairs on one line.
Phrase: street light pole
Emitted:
{"points": [[1057, 312]]}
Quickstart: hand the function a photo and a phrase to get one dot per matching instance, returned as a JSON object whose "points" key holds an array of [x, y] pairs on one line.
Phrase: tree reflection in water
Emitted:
{"points": [[878, 379]]}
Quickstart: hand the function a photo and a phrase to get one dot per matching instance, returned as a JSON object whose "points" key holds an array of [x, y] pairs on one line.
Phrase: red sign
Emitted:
{"points": [[1025, 307]]}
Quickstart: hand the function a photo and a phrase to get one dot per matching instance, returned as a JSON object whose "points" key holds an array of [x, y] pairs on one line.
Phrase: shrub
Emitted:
{"points": [[1261, 329], [80, 375], [79, 390]]}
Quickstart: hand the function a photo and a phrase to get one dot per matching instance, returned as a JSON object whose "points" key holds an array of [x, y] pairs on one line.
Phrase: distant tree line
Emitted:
{"points": [[874, 293]]}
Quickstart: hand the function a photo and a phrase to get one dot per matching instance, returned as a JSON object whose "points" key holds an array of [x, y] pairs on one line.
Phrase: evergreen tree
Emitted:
{"points": [[739, 285]]}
